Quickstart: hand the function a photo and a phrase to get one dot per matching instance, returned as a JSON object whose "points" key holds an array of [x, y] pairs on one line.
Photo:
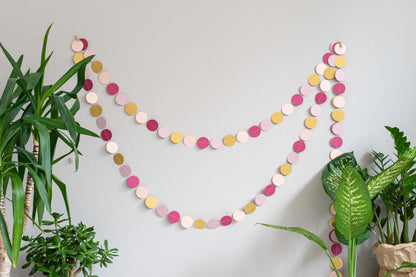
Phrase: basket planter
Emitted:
{"points": [[390, 257]]}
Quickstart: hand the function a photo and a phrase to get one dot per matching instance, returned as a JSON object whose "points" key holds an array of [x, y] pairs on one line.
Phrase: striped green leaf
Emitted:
{"points": [[352, 205]]}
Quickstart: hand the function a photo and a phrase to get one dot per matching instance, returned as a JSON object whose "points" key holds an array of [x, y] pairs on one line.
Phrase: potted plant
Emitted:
{"points": [[30, 109], [396, 203], [353, 192], [66, 250]]}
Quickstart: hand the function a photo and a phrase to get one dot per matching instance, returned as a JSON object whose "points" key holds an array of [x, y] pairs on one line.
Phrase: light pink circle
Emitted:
{"points": [[213, 224], [163, 132], [133, 181], [339, 75], [340, 49], [125, 170], [305, 89], [104, 78], [305, 134], [239, 215], [141, 117], [89, 53], [287, 109], [292, 157], [338, 101], [101, 122], [337, 128], [216, 143], [91, 97], [121, 99], [299, 146], [297, 99], [260, 199], [77, 45], [335, 153], [242, 136], [333, 236], [269, 190], [278, 180], [336, 142], [316, 110], [87, 72], [162, 210], [174, 217], [326, 57], [266, 125], [111, 147], [189, 141], [325, 85], [187, 222], [142, 192], [331, 60], [320, 68]]}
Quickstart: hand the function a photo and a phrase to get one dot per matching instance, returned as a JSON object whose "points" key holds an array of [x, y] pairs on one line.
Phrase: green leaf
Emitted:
{"points": [[62, 188], [332, 173], [379, 182], [66, 116], [352, 205], [5, 236], [342, 239], [400, 140], [5, 100], [40, 187], [18, 197], [15, 65]]}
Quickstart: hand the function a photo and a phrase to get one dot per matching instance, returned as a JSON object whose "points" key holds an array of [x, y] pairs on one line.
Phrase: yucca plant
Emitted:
{"points": [[29, 109], [345, 182]]}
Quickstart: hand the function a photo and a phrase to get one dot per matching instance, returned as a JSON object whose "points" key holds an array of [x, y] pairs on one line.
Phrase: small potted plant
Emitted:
{"points": [[66, 250]]}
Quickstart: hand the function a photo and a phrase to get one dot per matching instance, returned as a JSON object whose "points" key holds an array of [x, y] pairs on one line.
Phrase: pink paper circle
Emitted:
{"points": [[297, 99], [305, 134], [216, 143], [91, 97], [152, 125], [338, 88], [320, 98], [336, 142], [163, 132], [85, 43], [254, 131], [87, 72], [242, 136], [189, 140], [226, 220], [269, 190], [141, 117], [331, 60], [162, 210], [305, 89], [337, 128], [266, 125], [202, 142], [133, 181], [174, 217], [125, 170], [292, 157], [142, 192], [299, 146], [260, 199], [339, 75], [316, 110], [333, 47], [213, 224], [336, 249], [333, 236], [89, 53], [88, 85], [106, 134], [121, 99], [338, 101], [326, 57], [101, 122], [112, 88]]}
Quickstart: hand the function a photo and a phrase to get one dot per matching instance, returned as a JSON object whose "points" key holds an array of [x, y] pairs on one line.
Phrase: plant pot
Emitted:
{"points": [[390, 257]]}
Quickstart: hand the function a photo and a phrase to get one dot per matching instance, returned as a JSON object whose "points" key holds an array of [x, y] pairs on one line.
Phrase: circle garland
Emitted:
{"points": [[152, 125], [299, 146]]}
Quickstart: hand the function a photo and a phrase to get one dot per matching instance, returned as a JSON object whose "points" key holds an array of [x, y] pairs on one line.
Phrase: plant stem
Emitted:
{"points": [[389, 231], [333, 264], [396, 229], [351, 258], [405, 231], [414, 236], [375, 234], [382, 239], [355, 257]]}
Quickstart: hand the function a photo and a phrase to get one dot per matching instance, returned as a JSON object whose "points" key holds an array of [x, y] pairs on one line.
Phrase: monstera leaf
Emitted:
{"points": [[352, 205], [331, 176]]}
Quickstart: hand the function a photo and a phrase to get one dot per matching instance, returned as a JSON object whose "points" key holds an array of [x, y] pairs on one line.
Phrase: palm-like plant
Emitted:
{"points": [[44, 113]]}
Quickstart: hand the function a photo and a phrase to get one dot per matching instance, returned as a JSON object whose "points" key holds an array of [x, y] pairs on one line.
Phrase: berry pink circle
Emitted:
{"points": [[305, 89], [269, 190], [213, 224], [106, 134], [226, 220], [336, 142], [254, 131], [202, 142], [101, 122], [299, 146], [297, 99], [112, 89], [152, 125], [336, 249], [162, 210], [174, 217], [88, 85], [85, 43], [337, 128], [292, 157], [320, 98], [326, 57], [338, 88], [266, 125], [125, 170], [260, 199], [316, 110], [133, 181]]}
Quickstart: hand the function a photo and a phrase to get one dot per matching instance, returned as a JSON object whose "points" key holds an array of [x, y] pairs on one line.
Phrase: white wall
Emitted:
{"points": [[211, 68]]}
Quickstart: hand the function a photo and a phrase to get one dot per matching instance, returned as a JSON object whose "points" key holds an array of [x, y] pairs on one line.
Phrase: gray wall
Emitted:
{"points": [[216, 67]]}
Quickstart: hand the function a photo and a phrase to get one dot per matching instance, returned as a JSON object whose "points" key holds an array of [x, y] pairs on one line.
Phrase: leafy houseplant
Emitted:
{"points": [[67, 251], [346, 183], [29, 109]]}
